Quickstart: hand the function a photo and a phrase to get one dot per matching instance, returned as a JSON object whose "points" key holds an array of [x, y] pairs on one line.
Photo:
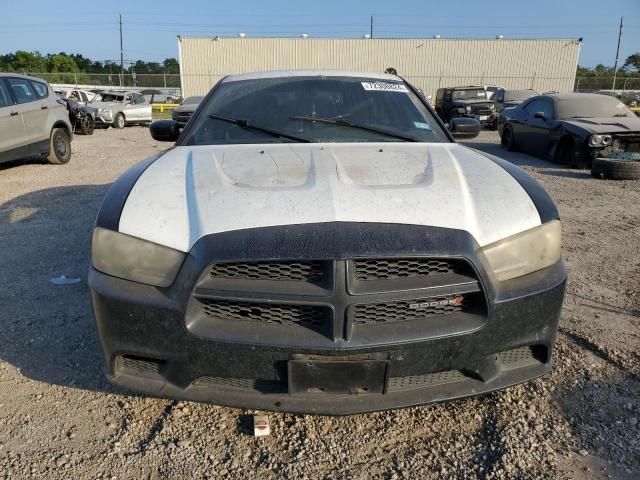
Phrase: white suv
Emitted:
{"points": [[32, 121]]}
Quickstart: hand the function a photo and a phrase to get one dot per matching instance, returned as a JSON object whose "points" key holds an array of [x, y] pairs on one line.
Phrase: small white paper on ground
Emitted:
{"points": [[261, 426], [64, 280]]}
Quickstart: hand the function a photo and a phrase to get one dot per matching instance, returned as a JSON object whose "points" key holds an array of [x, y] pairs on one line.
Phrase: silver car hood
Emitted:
{"points": [[104, 104], [191, 192]]}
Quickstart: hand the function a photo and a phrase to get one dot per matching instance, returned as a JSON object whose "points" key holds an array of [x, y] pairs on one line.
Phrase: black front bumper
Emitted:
{"points": [[154, 343]]}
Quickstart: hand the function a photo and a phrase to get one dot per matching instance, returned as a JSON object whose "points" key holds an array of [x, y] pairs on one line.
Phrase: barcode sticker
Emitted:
{"points": [[384, 87]]}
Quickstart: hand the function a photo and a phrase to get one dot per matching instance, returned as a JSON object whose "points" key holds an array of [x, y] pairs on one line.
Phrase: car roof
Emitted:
{"points": [[573, 96], [116, 92], [17, 75], [310, 73]]}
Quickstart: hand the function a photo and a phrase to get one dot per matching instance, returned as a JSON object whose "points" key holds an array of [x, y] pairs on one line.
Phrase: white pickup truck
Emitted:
{"points": [[118, 109]]}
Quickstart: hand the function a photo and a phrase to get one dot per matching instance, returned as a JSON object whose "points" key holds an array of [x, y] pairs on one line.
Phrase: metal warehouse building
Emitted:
{"points": [[543, 64]]}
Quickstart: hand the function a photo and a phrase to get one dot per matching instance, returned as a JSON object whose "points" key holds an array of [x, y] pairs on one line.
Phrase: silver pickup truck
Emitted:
{"points": [[117, 109]]}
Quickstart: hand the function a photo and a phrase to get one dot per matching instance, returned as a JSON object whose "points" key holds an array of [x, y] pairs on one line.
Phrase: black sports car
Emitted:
{"points": [[571, 128]]}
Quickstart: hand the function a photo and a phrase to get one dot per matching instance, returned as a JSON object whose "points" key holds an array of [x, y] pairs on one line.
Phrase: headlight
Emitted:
{"points": [[599, 140], [492, 107], [132, 258], [525, 252], [468, 108]]}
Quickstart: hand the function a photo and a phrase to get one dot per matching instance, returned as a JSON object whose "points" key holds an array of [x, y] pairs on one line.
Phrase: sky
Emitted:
{"points": [[151, 26]]}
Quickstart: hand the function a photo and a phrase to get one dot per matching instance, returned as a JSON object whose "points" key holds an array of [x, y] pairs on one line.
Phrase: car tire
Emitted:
{"points": [[59, 147], [615, 169], [119, 122], [508, 140], [87, 126]]}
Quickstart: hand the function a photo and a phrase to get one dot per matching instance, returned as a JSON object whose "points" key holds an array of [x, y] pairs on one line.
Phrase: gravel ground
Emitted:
{"points": [[60, 419]]}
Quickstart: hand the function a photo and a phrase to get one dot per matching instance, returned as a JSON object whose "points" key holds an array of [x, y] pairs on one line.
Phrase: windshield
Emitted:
{"points": [[591, 106], [316, 109], [192, 100], [108, 97], [469, 94], [516, 95]]}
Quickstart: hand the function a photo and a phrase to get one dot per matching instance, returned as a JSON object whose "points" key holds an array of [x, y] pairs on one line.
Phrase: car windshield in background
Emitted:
{"points": [[517, 95], [468, 94], [592, 106], [192, 100], [107, 97], [314, 109]]}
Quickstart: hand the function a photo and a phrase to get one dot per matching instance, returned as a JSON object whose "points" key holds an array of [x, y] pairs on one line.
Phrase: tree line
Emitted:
{"points": [[34, 62]]}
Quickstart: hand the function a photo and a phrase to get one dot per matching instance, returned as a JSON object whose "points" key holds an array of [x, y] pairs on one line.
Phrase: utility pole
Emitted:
{"points": [[121, 54], [371, 28], [615, 66]]}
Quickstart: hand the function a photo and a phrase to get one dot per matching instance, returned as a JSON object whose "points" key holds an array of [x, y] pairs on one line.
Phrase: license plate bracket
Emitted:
{"points": [[337, 377]]}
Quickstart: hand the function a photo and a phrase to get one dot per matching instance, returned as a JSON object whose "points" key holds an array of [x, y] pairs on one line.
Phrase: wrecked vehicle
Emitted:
{"points": [[79, 96], [571, 128], [118, 109], [511, 98], [472, 102], [183, 113], [316, 241], [81, 117]]}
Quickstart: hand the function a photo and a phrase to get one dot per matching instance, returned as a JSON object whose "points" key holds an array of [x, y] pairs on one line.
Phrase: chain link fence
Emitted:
{"points": [[429, 84], [593, 84], [128, 80]]}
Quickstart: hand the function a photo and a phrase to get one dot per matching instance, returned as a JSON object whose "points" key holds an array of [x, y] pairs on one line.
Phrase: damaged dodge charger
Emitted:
{"points": [[316, 241]]}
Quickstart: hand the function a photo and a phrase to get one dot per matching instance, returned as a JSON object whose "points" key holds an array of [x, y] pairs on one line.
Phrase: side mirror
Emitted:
{"points": [[164, 130], [464, 127], [539, 115]]}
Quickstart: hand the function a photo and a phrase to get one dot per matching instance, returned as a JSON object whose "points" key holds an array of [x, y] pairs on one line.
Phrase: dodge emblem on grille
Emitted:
{"points": [[449, 301]]}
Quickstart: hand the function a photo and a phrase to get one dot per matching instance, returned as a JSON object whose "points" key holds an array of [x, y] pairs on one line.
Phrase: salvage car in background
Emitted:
{"points": [[79, 96], [118, 109], [511, 98], [572, 129], [316, 241], [81, 117], [471, 102], [32, 121], [183, 113]]}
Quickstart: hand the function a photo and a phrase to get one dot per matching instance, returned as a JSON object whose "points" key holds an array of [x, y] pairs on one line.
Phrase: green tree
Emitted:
{"points": [[30, 62], [171, 65], [633, 62], [62, 63]]}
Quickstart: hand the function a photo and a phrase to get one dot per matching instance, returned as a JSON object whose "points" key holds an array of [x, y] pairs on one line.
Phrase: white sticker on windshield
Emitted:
{"points": [[384, 87], [422, 125]]}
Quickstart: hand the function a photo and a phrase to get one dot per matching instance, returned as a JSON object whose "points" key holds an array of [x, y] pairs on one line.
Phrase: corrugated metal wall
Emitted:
{"points": [[428, 64]]}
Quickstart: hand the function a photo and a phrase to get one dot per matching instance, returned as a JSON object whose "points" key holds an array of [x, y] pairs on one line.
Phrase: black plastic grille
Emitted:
{"points": [[405, 310], [265, 386], [481, 110], [521, 356], [304, 271], [419, 381], [263, 312], [392, 268], [139, 365]]}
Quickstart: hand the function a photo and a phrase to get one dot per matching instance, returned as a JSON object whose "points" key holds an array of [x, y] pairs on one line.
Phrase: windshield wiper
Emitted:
{"points": [[249, 126], [344, 123]]}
